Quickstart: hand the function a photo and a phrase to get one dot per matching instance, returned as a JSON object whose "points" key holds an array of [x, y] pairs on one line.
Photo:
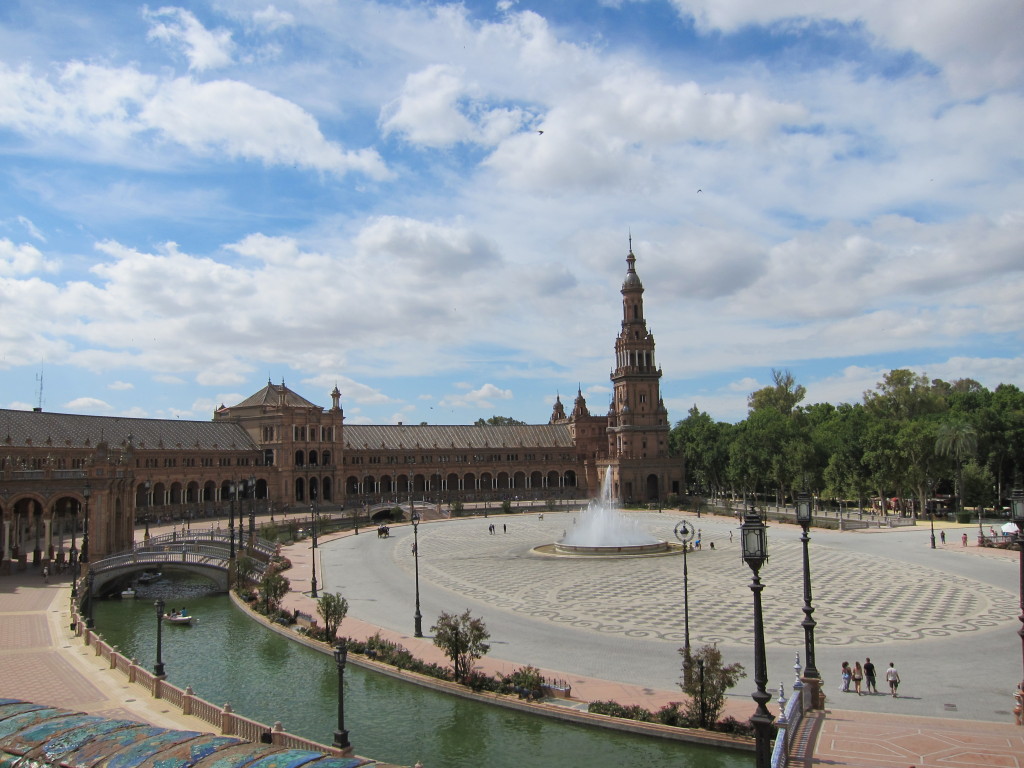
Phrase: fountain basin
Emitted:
{"points": [[627, 550]]}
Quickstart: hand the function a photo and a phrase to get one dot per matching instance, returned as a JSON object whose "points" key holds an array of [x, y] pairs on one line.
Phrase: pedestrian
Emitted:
{"points": [[964, 539], [942, 535], [46, 575], [846, 676], [893, 678], [1018, 704], [869, 676], [730, 537], [858, 675], [504, 528]]}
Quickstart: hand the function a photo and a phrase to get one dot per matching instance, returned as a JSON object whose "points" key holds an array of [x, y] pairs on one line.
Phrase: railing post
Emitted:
{"points": [[186, 700], [227, 720]]}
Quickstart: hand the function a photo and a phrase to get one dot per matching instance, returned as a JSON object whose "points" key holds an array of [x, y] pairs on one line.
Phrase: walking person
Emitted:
{"points": [[869, 676], [964, 539], [858, 675], [893, 678], [942, 535], [847, 675]]}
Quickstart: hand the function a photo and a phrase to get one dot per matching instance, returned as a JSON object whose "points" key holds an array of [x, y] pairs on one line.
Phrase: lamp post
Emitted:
{"points": [[312, 581], [158, 669], [89, 579], [685, 533], [754, 540], [252, 511], [340, 656], [931, 523], [232, 494], [86, 493], [417, 617], [1017, 505], [804, 514]]}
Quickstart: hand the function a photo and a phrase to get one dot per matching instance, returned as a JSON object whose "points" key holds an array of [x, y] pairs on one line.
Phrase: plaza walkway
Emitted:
{"points": [[40, 661]]}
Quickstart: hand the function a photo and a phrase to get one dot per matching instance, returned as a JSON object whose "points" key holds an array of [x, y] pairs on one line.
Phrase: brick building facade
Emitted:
{"points": [[278, 451]]}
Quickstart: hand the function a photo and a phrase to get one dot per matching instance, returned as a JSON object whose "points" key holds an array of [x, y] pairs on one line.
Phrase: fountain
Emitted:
{"points": [[604, 531]]}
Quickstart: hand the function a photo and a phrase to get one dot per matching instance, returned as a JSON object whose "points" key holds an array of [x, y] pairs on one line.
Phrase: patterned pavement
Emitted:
{"points": [[890, 601]]}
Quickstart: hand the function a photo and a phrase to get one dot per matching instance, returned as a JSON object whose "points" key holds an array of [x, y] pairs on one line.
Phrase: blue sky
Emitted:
{"points": [[202, 196]]}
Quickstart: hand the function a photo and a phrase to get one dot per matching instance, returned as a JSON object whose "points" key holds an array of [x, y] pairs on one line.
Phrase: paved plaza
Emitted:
{"points": [[946, 618]]}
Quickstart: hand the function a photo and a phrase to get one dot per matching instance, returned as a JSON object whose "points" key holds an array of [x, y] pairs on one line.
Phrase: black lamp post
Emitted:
{"points": [[685, 533], [1017, 504], [417, 617], [89, 579], [252, 511], [86, 493], [158, 669], [754, 540], [233, 494], [340, 656], [931, 523], [804, 514], [312, 581]]}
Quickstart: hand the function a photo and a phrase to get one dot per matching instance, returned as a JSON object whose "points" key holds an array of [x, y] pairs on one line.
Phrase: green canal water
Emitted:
{"points": [[227, 657]]}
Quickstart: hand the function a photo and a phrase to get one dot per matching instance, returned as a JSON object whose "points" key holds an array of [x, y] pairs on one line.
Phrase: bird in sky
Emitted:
{"points": [[540, 132]]}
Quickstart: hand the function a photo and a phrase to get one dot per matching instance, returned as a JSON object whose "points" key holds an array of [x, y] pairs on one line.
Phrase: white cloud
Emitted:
{"points": [[22, 259], [32, 229], [272, 18], [121, 386], [88, 405], [204, 49], [119, 111], [482, 397], [976, 44]]}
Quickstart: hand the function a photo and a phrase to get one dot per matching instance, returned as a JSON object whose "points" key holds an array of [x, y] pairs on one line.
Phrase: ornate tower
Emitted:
{"points": [[637, 418]]}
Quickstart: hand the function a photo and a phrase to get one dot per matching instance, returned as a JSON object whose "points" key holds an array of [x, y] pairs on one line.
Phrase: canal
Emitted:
{"points": [[228, 658]]}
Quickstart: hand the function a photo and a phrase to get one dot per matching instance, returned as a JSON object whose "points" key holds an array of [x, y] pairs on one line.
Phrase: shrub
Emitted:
{"points": [[614, 709]]}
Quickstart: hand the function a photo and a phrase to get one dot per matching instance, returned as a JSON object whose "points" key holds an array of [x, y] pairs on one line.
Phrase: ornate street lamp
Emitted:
{"points": [[754, 541], [232, 495], [89, 579], [252, 511], [1017, 504], [340, 656], [86, 493], [158, 669], [685, 533], [804, 514], [312, 581], [417, 617]]}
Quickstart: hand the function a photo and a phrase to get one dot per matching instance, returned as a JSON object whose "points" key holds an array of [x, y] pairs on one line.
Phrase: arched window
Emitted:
{"points": [[312, 458], [300, 459], [300, 489]]}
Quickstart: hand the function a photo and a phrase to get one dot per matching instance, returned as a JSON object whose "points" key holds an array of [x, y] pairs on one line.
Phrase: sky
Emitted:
{"points": [[429, 205]]}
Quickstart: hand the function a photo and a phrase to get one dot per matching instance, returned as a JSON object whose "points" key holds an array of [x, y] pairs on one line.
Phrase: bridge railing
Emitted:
{"points": [[222, 718], [260, 548]]}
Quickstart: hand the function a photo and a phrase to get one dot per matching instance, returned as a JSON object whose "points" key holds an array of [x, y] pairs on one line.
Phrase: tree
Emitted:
{"points": [[461, 638], [245, 568], [707, 683], [332, 608], [783, 395], [499, 421], [273, 587], [958, 438]]}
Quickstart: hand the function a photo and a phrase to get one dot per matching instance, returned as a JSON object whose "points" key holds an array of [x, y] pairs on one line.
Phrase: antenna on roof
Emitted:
{"points": [[39, 382]]}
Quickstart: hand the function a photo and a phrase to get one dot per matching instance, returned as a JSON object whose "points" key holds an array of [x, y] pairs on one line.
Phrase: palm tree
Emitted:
{"points": [[958, 438]]}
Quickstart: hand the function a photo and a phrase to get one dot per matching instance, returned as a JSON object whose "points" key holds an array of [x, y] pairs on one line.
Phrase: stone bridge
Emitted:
{"points": [[205, 553]]}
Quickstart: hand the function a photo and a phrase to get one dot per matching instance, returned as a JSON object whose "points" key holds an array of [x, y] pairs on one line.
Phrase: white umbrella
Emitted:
{"points": [[1009, 528]]}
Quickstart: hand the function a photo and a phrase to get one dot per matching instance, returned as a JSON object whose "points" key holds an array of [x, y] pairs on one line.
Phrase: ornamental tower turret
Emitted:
{"points": [[637, 419]]}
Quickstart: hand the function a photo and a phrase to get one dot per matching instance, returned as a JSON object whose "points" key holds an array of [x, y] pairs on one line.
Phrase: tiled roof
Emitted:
{"points": [[66, 430], [427, 437], [47, 737], [270, 395]]}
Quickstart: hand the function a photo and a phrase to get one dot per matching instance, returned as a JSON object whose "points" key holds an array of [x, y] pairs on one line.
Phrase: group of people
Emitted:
{"points": [[865, 675]]}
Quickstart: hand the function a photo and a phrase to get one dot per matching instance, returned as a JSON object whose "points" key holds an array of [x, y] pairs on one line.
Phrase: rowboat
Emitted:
{"points": [[128, 594], [178, 618]]}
